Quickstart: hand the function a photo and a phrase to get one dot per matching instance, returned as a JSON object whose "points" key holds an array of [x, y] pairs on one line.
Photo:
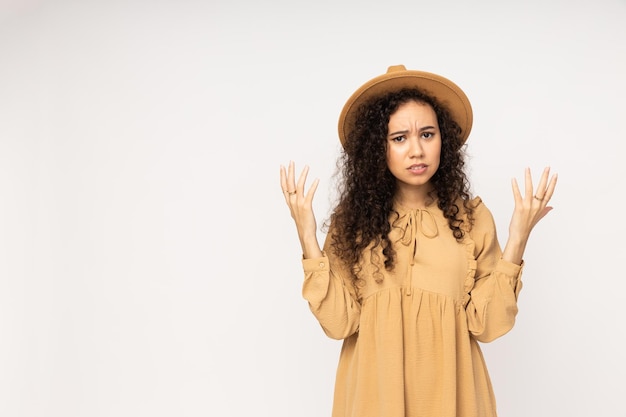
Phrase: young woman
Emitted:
{"points": [[411, 275]]}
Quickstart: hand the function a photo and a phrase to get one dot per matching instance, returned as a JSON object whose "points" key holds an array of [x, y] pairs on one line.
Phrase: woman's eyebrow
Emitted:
{"points": [[398, 132], [406, 131]]}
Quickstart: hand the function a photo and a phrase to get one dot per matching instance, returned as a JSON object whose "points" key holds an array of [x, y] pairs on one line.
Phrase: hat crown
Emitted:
{"points": [[397, 78], [396, 68]]}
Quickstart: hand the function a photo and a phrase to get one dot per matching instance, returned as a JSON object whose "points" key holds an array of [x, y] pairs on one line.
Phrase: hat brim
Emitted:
{"points": [[443, 90]]}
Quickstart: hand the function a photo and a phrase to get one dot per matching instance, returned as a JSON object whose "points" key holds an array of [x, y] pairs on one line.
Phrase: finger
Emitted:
{"points": [[517, 195], [302, 180], [283, 183], [542, 214], [540, 193], [291, 182], [283, 179], [311, 193], [551, 187], [528, 184], [541, 188]]}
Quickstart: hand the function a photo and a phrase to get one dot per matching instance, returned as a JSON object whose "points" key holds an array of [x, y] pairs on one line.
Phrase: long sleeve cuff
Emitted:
{"points": [[315, 265]]}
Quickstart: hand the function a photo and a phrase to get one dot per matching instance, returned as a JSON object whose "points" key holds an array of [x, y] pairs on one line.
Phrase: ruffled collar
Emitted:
{"points": [[412, 222]]}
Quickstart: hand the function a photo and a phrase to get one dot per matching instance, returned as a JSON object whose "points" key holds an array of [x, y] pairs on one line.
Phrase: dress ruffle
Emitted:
{"points": [[409, 347]]}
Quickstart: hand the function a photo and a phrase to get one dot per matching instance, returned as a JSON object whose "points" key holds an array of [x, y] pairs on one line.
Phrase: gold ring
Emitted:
{"points": [[290, 192], [537, 198]]}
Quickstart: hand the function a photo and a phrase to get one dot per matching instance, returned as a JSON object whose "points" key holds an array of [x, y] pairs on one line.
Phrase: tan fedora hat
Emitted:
{"points": [[398, 77]]}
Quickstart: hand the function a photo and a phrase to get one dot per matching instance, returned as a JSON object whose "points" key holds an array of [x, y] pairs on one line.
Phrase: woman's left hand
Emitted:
{"points": [[533, 205], [530, 207]]}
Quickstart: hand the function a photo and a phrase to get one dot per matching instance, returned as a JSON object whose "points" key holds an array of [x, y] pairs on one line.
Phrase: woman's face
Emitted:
{"points": [[413, 145]]}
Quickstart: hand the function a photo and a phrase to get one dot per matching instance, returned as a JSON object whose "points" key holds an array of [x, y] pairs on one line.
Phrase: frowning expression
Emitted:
{"points": [[413, 144]]}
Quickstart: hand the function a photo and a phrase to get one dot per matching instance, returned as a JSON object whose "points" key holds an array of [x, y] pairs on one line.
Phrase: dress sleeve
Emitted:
{"points": [[329, 290], [492, 306]]}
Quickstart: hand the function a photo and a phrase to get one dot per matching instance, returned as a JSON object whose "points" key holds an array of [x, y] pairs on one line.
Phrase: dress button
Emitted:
{"points": [[321, 264]]}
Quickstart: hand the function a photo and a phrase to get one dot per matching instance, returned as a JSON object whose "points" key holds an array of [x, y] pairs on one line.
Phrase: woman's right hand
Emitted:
{"points": [[301, 207]]}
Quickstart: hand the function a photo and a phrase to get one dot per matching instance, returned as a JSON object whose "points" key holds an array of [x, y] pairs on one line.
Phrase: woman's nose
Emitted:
{"points": [[416, 149]]}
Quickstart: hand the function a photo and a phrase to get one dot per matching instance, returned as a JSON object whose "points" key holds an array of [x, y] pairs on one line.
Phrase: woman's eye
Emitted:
{"points": [[427, 135], [399, 138]]}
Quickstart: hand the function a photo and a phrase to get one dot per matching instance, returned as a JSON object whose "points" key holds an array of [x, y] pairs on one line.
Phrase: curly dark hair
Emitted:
{"points": [[367, 187]]}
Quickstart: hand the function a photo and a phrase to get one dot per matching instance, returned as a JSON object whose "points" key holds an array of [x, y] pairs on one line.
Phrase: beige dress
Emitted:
{"points": [[410, 342]]}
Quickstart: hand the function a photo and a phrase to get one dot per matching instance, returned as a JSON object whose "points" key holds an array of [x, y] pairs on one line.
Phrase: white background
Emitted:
{"points": [[148, 264]]}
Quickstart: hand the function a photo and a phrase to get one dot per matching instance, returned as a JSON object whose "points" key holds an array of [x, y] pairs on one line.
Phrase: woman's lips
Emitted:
{"points": [[418, 168]]}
